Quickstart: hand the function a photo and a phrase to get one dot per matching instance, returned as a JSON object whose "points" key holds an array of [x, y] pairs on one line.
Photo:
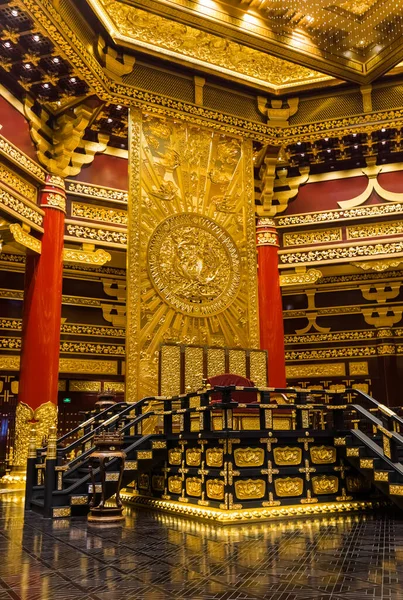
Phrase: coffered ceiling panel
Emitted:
{"points": [[355, 40]]}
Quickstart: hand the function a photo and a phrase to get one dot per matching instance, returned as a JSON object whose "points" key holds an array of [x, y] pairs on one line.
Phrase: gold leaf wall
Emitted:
{"points": [[191, 256]]}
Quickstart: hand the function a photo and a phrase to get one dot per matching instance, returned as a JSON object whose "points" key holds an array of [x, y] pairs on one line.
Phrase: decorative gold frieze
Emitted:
{"points": [[287, 456], [325, 484], [366, 463], [193, 457], [18, 184], [250, 489], [214, 457], [395, 489], [83, 366], [22, 238], [92, 348], [337, 336], [249, 457], [374, 210], [86, 256], [375, 229], [84, 386], [98, 213], [301, 276], [55, 201], [322, 455], [19, 209], [381, 476], [326, 353], [105, 235], [358, 368], [215, 489], [288, 486], [378, 265], [194, 486], [305, 238], [95, 191], [315, 370], [175, 456], [340, 253], [175, 484], [21, 160]]}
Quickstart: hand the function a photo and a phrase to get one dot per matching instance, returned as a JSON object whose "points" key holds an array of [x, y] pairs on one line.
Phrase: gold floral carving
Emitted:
{"points": [[287, 456], [375, 229], [84, 386], [366, 463], [194, 486], [175, 484], [214, 457], [322, 455], [193, 457], [146, 29], [358, 368], [56, 201], [288, 486], [312, 237], [109, 236], [18, 184], [337, 336], [21, 160], [395, 489], [315, 370], [325, 484], [83, 366], [381, 475], [326, 353], [114, 386], [46, 417], [89, 257], [92, 348], [250, 489], [24, 239], [194, 264], [267, 238], [305, 277], [94, 191], [249, 457], [98, 213], [378, 265], [157, 482], [340, 253], [175, 456], [19, 209], [215, 489]]}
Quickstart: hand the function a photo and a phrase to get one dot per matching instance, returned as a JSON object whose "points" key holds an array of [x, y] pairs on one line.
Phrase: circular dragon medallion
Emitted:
{"points": [[194, 264]]}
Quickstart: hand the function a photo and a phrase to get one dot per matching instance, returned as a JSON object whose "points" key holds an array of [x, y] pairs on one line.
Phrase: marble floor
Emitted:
{"points": [[158, 557]]}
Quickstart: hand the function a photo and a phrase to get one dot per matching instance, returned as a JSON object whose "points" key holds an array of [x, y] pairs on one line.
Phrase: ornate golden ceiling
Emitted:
{"points": [[259, 40]]}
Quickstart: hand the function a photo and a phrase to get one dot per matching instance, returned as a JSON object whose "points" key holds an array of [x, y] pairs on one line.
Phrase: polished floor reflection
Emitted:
{"points": [[156, 557]]}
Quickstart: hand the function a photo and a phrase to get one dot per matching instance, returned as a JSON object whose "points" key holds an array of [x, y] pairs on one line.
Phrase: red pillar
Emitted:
{"points": [[270, 304], [39, 368]]}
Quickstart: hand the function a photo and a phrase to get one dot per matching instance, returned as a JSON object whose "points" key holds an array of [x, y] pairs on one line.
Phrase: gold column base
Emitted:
{"points": [[13, 481], [45, 417]]}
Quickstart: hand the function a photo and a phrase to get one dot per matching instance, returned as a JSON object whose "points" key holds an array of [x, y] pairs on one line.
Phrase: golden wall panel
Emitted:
{"points": [[237, 362], [358, 368], [193, 368], [85, 386], [322, 455], [325, 484], [215, 489], [170, 370], [316, 370], [192, 254], [249, 457], [215, 361], [258, 367], [214, 457]]}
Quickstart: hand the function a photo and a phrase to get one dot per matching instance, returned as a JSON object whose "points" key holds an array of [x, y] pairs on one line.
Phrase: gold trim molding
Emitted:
{"points": [[76, 188], [315, 370], [68, 365], [86, 256]]}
